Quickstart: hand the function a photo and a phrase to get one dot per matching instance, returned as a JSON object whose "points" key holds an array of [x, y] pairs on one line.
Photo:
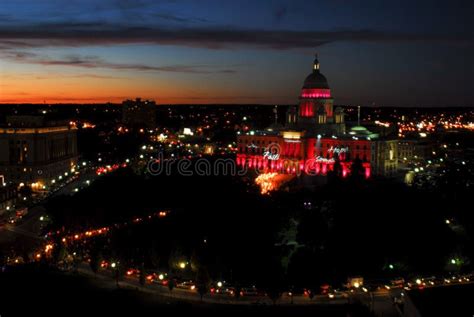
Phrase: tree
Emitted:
{"points": [[237, 291], [76, 261], [171, 285], [335, 175], [25, 191], [116, 275], [59, 253], [142, 275], [274, 279], [357, 171], [203, 282], [175, 259], [274, 293], [312, 229], [3, 258], [154, 255], [96, 259]]}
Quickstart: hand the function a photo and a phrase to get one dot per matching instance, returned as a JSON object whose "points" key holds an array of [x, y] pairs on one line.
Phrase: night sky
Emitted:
{"points": [[386, 53]]}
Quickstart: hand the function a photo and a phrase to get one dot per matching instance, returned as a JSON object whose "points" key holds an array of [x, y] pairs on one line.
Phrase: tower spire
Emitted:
{"points": [[358, 115], [316, 63]]}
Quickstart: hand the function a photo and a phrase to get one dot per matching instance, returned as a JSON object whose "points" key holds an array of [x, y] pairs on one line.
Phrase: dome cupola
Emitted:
{"points": [[316, 80]]}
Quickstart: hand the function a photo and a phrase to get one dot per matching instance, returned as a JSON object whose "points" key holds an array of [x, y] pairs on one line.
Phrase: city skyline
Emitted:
{"points": [[179, 52]]}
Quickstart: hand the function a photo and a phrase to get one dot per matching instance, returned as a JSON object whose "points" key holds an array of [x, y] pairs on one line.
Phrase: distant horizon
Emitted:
{"points": [[226, 104]]}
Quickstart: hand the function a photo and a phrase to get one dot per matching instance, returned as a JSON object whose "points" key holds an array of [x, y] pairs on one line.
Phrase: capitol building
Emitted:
{"points": [[315, 139]]}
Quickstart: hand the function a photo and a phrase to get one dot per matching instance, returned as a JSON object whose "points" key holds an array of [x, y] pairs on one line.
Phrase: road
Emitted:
{"points": [[382, 301], [28, 230]]}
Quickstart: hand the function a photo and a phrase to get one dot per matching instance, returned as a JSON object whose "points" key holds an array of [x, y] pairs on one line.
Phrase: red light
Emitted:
{"points": [[306, 109], [315, 93], [367, 172]]}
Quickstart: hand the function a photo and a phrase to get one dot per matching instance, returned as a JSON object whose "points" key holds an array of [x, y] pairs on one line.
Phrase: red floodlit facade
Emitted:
{"points": [[314, 139], [303, 156]]}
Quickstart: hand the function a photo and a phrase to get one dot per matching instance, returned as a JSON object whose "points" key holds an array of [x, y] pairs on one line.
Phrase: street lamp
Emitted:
{"points": [[114, 266]]}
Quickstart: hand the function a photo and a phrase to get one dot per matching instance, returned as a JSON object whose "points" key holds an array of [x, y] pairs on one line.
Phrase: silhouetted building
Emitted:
{"points": [[139, 114], [34, 150], [415, 149]]}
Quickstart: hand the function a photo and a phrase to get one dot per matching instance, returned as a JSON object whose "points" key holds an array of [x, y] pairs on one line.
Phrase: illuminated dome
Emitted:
{"points": [[360, 131], [316, 80]]}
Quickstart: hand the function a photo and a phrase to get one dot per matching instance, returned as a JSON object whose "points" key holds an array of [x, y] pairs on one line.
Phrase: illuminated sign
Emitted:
{"points": [[338, 150], [320, 159], [271, 156]]}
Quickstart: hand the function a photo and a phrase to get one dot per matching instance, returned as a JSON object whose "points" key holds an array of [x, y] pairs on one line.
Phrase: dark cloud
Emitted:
{"points": [[175, 18], [49, 76], [96, 62], [96, 76], [78, 25], [4, 18], [214, 38]]}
